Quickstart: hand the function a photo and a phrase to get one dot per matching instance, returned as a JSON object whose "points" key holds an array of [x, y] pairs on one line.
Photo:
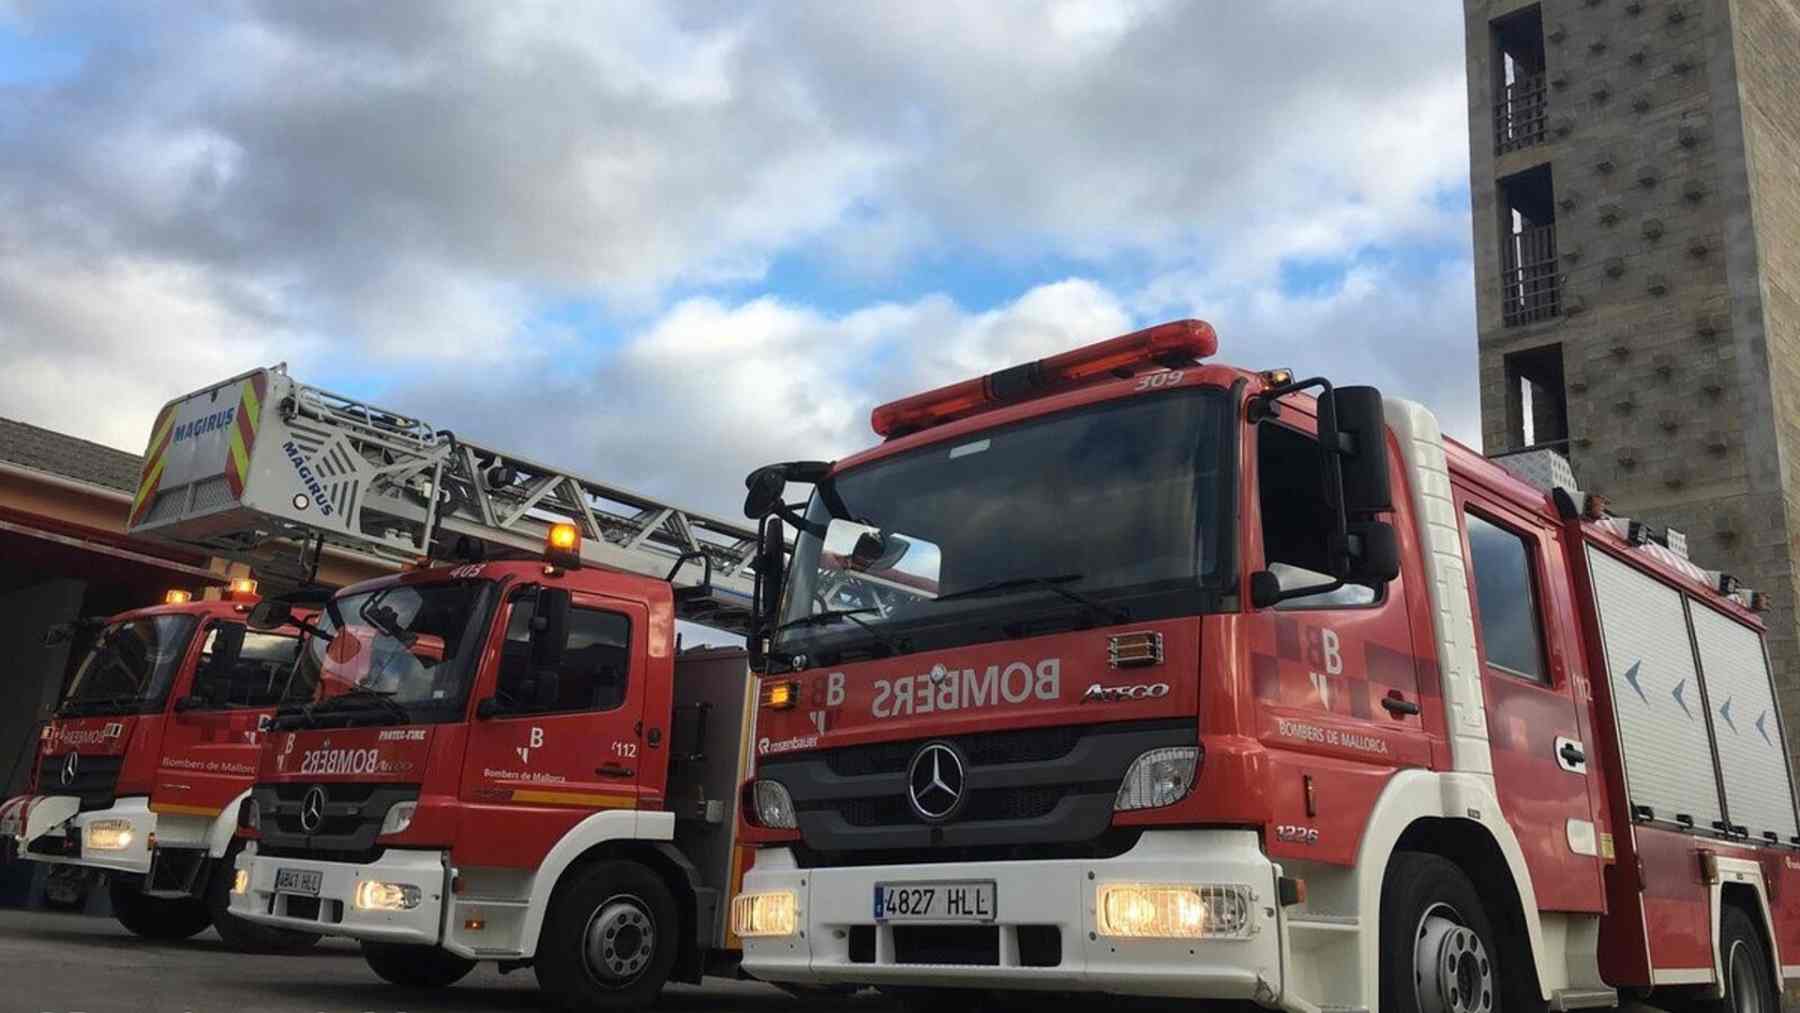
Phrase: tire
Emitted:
{"points": [[1749, 980], [416, 966], [609, 939], [1439, 953], [238, 933], [160, 919]]}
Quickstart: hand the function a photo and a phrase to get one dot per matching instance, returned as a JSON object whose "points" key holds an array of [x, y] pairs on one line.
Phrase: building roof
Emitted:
{"points": [[31, 446]]}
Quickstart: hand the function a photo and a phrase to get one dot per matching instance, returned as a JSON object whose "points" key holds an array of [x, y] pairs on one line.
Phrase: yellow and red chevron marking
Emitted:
{"points": [[160, 434], [242, 440], [243, 432]]}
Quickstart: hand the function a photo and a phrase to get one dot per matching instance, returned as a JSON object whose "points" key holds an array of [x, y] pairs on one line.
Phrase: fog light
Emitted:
{"points": [[240, 884], [1160, 777], [109, 835], [764, 914], [1173, 911], [372, 895], [399, 817]]}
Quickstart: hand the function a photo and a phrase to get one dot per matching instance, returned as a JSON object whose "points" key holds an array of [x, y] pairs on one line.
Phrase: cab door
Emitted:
{"points": [[1543, 763], [549, 747], [218, 714]]}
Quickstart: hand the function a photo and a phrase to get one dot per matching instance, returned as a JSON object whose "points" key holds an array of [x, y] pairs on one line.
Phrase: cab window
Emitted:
{"points": [[1506, 599], [1297, 520], [255, 678], [594, 673]]}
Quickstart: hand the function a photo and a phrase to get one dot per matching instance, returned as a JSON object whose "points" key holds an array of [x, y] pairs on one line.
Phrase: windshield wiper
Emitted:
{"points": [[383, 701], [833, 615], [1053, 584], [116, 700]]}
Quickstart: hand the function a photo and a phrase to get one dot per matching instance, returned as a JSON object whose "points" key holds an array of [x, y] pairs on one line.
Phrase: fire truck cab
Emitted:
{"points": [[1125, 672], [139, 774]]}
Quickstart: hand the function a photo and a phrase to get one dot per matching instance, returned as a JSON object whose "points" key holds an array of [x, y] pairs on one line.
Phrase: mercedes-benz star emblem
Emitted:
{"points": [[312, 809], [71, 766], [935, 781]]}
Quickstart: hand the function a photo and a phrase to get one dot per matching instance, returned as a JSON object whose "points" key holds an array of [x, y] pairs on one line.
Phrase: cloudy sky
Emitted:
{"points": [[662, 243]]}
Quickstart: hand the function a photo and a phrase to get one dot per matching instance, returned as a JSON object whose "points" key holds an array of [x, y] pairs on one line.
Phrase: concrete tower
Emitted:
{"points": [[1635, 170]]}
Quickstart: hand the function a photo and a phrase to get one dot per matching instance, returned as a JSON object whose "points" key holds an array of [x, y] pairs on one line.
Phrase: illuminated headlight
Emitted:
{"points": [[250, 815], [764, 914], [1173, 911], [109, 835], [1158, 778], [399, 817], [240, 884], [372, 895], [774, 806]]}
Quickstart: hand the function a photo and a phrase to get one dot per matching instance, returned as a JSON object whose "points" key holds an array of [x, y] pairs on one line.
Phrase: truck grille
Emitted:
{"points": [[96, 779], [349, 819], [1051, 787]]}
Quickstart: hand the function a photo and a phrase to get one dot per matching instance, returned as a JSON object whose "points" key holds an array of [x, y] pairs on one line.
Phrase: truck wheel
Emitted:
{"points": [[1438, 951], [609, 938], [238, 933], [162, 919], [1749, 985], [416, 966]]}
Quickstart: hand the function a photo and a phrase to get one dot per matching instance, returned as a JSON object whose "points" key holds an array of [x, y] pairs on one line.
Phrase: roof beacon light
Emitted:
{"points": [[241, 588], [176, 596], [562, 546], [1170, 345]]}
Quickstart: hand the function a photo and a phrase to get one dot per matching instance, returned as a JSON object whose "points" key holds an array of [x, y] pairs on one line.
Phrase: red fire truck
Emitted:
{"points": [[139, 775], [507, 757], [1127, 672]]}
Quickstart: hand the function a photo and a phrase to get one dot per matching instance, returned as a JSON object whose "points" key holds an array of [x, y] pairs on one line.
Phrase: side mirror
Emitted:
{"points": [[1361, 422], [1374, 553], [270, 614], [765, 485], [771, 566], [549, 628]]}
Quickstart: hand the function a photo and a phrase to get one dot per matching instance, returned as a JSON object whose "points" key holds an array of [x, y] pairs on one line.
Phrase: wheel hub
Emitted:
{"points": [[1452, 970], [620, 940]]}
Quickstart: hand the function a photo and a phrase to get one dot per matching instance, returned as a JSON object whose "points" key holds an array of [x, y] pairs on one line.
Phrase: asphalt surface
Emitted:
{"points": [[67, 963]]}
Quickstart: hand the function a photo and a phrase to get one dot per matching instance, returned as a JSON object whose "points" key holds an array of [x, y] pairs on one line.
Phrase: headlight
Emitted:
{"points": [[774, 806], [372, 895], [1158, 778], [399, 817], [240, 884], [1173, 911], [250, 814], [109, 835], [764, 914]]}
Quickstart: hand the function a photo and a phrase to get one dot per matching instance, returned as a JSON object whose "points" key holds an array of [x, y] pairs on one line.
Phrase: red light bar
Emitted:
{"points": [[1172, 344]]}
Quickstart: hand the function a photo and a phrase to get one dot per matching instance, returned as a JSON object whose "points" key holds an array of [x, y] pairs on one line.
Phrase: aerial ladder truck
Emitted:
{"points": [[499, 752]]}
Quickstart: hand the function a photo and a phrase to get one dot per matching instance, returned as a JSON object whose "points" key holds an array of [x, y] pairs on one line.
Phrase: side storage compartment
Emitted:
{"points": [[708, 748]]}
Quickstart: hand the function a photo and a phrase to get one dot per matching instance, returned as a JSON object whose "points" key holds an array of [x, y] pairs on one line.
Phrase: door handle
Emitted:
{"points": [[1399, 706], [615, 770], [1572, 754]]}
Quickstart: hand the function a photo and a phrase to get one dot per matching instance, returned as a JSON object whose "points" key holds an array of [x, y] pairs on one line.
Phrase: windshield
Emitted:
{"points": [[1084, 509], [130, 667], [401, 654]]}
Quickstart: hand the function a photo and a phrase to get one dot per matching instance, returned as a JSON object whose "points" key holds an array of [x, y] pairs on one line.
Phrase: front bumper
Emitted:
{"points": [[836, 911], [334, 913], [68, 841]]}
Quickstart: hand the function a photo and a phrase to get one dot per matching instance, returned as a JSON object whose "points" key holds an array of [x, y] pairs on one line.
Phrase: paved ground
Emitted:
{"points": [[62, 963]]}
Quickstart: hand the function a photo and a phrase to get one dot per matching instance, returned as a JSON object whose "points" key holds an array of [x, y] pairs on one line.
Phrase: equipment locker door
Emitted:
{"points": [[1536, 699], [559, 744]]}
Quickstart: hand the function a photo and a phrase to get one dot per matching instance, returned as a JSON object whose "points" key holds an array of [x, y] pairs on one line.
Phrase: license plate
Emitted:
{"points": [[304, 881], [934, 902]]}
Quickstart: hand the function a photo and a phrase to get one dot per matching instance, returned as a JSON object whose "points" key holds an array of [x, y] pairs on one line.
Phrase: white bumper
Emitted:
{"points": [[33, 819], [335, 913], [834, 904]]}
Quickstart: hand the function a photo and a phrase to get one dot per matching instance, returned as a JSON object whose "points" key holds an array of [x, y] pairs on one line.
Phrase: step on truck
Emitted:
{"points": [[138, 776], [504, 756], [1128, 672]]}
